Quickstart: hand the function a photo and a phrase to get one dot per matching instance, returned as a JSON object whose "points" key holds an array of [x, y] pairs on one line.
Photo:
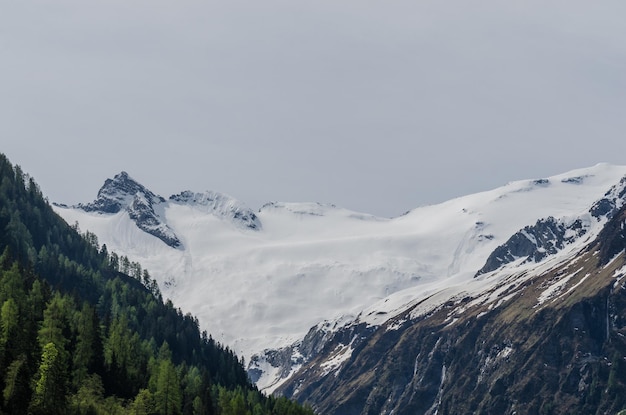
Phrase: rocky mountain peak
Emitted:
{"points": [[124, 193], [118, 193]]}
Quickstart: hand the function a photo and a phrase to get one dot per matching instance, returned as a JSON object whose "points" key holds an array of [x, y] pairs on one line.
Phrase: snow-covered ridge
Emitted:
{"points": [[263, 289], [147, 209], [220, 205], [316, 209]]}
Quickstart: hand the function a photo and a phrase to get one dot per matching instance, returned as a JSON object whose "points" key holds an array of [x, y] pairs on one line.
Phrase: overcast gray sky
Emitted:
{"points": [[377, 106]]}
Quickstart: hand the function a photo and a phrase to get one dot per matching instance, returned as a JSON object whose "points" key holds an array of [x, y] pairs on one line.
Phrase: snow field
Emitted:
{"points": [[261, 289]]}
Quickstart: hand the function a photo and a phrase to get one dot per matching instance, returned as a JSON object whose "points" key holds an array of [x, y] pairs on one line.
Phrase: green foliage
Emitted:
{"points": [[55, 325], [143, 403], [16, 391], [80, 327], [168, 396], [88, 353], [89, 399], [9, 315], [242, 402]]}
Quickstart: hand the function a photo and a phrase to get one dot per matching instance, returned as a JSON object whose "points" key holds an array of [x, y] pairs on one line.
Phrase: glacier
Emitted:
{"points": [[258, 281]]}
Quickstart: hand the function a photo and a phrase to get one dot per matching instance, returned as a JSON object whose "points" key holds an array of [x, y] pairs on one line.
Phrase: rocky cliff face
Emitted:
{"points": [[544, 340], [118, 193]]}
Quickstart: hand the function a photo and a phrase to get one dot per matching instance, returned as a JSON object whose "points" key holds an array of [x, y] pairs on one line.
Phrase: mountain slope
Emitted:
{"points": [[261, 288], [547, 337]]}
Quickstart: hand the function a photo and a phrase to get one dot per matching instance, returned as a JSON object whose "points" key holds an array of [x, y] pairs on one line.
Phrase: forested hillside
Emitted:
{"points": [[83, 331]]}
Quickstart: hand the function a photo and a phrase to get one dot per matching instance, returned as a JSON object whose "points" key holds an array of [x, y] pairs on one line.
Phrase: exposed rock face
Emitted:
{"points": [[611, 201], [144, 215], [117, 194], [534, 243], [612, 239]]}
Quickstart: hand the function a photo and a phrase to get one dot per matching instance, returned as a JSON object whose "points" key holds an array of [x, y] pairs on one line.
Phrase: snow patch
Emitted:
{"points": [[554, 289], [341, 355]]}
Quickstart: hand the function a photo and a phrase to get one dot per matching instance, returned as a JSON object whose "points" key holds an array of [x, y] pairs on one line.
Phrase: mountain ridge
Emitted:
{"points": [[145, 208], [299, 270]]}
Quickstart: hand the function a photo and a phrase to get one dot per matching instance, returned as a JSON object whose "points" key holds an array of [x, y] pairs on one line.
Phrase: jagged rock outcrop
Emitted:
{"points": [[611, 201], [534, 243], [612, 239], [142, 212], [118, 193]]}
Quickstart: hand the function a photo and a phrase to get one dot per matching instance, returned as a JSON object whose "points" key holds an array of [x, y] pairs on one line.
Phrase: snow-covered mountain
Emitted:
{"points": [[143, 207], [259, 281], [541, 328]]}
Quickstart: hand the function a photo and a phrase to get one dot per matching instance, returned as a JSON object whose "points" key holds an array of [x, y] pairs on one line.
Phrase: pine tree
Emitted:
{"points": [[88, 353], [114, 262], [146, 278], [9, 315], [168, 397], [55, 325], [124, 265], [17, 391], [143, 403], [90, 396], [50, 390]]}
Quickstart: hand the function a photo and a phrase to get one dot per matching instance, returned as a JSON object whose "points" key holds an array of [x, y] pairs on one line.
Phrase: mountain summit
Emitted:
{"points": [[123, 193], [120, 193]]}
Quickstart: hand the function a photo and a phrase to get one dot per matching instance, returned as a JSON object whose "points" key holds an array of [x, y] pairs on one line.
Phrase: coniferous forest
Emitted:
{"points": [[83, 331]]}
